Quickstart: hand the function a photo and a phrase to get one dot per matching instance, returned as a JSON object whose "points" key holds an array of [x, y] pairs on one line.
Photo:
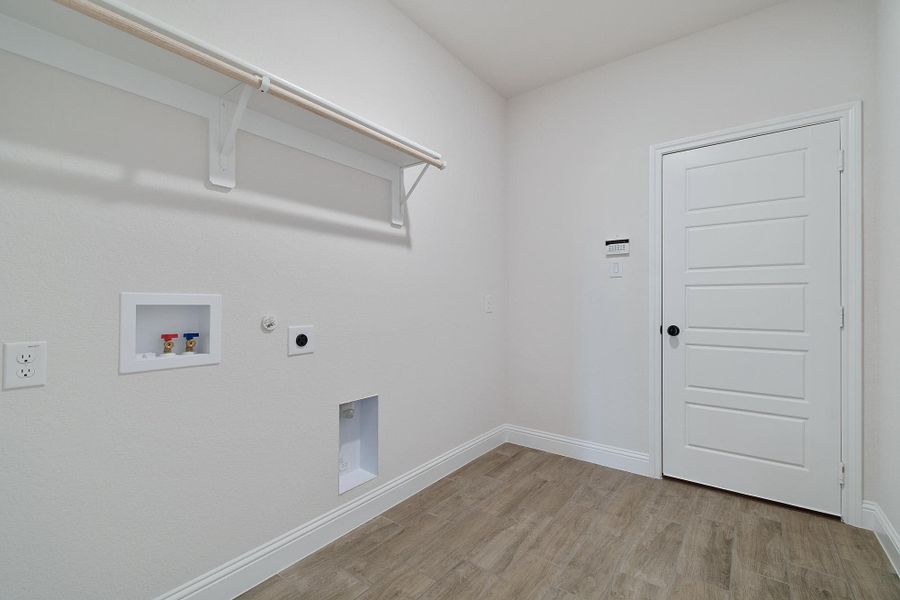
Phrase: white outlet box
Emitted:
{"points": [[144, 317], [24, 364], [301, 339]]}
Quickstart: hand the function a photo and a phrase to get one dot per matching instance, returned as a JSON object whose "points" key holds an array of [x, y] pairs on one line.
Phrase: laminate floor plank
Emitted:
{"points": [[403, 583], [760, 547], [471, 492], [273, 588], [521, 524], [522, 462], [464, 580], [747, 585], [810, 546], [869, 582], [654, 558], [859, 545], [706, 554], [454, 541], [807, 584], [684, 588]]}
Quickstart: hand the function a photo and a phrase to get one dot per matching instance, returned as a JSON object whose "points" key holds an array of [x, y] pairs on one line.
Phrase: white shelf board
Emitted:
{"points": [[57, 36], [353, 479], [85, 31]]}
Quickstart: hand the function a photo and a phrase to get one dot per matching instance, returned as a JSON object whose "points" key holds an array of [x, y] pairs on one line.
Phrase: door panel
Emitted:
{"points": [[761, 436], [755, 370], [735, 245], [751, 275], [759, 179], [751, 307]]}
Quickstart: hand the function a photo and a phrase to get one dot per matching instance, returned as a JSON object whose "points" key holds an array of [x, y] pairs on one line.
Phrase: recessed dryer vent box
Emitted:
{"points": [[144, 318], [358, 457]]}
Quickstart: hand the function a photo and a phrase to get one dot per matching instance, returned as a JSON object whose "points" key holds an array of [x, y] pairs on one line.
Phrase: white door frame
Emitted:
{"points": [[849, 116]]}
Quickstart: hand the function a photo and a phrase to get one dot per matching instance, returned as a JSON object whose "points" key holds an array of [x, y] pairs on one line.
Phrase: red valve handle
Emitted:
{"points": [[168, 336]]}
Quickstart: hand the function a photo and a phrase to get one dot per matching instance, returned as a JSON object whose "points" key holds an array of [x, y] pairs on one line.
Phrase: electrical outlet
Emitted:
{"points": [[301, 339], [24, 364]]}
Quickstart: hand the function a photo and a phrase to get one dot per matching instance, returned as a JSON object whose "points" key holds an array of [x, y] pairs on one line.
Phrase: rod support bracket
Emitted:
{"points": [[223, 128], [402, 195]]}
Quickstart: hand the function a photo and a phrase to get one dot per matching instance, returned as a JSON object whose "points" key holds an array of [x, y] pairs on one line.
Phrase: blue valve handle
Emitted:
{"points": [[190, 336]]}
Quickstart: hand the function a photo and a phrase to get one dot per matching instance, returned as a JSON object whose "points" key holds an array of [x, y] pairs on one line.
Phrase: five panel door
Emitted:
{"points": [[752, 278]]}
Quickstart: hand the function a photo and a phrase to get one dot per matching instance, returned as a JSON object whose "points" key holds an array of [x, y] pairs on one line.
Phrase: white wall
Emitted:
{"points": [[883, 381], [579, 174], [125, 486]]}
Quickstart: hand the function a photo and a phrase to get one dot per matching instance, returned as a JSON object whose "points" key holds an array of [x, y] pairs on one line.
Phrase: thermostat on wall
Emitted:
{"points": [[617, 247]]}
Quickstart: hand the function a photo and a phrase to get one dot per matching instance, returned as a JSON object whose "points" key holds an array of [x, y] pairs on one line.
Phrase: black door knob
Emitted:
{"points": [[673, 330]]}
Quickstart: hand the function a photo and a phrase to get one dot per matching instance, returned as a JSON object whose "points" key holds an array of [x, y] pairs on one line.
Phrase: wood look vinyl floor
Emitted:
{"points": [[520, 524]]}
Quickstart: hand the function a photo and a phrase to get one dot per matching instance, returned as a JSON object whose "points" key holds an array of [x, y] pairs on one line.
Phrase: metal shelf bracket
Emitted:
{"points": [[223, 132], [398, 205]]}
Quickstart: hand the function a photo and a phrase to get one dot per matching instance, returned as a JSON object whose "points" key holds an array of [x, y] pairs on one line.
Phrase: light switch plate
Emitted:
{"points": [[490, 303], [301, 339], [24, 365], [616, 269]]}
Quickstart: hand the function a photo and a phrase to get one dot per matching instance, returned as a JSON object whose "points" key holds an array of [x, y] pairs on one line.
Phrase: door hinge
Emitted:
{"points": [[842, 474], [842, 317], [841, 160]]}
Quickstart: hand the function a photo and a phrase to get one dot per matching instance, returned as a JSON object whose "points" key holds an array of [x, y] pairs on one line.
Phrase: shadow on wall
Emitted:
{"points": [[276, 185]]}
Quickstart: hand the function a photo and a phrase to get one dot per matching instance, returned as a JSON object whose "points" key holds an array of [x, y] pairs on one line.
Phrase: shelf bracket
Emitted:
{"points": [[223, 133], [398, 205]]}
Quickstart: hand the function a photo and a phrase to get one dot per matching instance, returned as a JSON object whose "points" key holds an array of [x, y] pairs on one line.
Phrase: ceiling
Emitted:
{"points": [[518, 45]]}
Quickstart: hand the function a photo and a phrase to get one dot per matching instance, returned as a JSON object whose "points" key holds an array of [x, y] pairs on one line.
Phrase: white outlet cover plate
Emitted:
{"points": [[36, 353], [295, 331]]}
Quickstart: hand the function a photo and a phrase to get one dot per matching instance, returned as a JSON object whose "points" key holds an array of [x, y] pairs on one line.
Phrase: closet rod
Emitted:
{"points": [[239, 72]]}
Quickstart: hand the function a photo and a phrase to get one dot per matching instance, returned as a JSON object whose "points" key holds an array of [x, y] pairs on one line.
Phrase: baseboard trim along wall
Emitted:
{"points": [[252, 568], [875, 519], [239, 575], [592, 452]]}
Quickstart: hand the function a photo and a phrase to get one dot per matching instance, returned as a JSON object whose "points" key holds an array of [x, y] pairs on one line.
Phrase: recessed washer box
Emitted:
{"points": [[144, 317], [358, 453]]}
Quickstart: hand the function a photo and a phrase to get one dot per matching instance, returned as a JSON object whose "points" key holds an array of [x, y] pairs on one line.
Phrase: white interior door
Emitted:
{"points": [[752, 278]]}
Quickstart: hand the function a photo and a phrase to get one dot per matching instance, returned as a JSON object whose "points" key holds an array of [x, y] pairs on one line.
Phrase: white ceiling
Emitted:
{"points": [[517, 45]]}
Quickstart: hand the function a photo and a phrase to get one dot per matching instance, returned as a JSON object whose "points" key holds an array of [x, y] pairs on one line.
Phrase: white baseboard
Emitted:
{"points": [[875, 519], [239, 575], [252, 568], [592, 452]]}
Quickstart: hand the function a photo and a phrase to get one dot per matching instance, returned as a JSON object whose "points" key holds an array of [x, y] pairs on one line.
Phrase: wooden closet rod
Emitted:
{"points": [[276, 87]]}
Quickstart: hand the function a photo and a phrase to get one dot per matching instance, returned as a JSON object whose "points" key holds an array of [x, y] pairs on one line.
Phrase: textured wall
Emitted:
{"points": [[125, 486], [883, 266], [579, 174]]}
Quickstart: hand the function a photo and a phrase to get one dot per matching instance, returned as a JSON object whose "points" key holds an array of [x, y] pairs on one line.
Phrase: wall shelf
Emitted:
{"points": [[113, 44]]}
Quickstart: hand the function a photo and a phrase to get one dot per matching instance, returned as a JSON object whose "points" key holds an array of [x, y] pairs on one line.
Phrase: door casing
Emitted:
{"points": [[849, 117]]}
